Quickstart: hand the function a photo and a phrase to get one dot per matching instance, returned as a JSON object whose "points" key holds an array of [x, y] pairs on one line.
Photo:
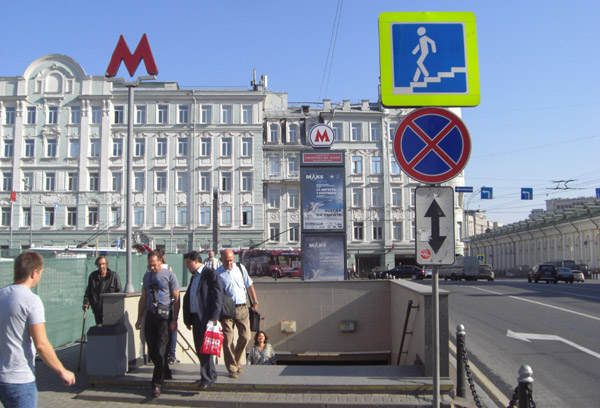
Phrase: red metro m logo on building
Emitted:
{"points": [[321, 136], [132, 61]]}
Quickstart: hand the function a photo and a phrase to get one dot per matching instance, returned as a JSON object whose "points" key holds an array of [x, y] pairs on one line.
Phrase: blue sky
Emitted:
{"points": [[539, 66]]}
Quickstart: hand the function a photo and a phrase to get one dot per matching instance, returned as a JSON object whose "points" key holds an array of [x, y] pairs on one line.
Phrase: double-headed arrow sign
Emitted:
{"points": [[435, 212]]}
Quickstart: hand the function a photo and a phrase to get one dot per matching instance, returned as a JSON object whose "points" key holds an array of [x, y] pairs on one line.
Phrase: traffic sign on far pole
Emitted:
{"points": [[432, 145], [463, 189]]}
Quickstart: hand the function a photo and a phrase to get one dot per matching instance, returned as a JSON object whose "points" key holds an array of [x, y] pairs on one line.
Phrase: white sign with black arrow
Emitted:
{"points": [[434, 207]]}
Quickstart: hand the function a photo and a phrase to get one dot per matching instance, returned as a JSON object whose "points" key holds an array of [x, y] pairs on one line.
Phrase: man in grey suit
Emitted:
{"points": [[203, 302]]}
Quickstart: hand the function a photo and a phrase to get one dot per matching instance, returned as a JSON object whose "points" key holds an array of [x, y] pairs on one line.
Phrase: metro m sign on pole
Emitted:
{"points": [[132, 61]]}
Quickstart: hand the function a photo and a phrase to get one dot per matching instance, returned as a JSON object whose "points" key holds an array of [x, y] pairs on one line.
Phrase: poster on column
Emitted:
{"points": [[322, 198], [324, 256]]}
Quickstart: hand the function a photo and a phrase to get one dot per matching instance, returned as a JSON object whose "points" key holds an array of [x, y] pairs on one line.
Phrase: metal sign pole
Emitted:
{"points": [[436, 337], [129, 200]]}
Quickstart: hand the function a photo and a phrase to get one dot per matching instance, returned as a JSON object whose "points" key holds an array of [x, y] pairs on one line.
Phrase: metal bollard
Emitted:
{"points": [[525, 380], [461, 389]]}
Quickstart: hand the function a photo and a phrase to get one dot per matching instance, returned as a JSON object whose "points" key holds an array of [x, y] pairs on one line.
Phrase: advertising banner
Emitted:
{"points": [[322, 198], [323, 256]]}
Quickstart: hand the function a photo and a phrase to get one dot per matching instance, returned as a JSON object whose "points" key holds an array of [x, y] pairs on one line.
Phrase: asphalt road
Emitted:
{"points": [[565, 319]]}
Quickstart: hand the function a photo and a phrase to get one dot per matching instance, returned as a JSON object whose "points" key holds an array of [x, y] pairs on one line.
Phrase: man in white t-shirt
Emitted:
{"points": [[23, 332]]}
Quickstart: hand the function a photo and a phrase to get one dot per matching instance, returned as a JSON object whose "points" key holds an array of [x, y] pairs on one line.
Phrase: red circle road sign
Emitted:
{"points": [[432, 145]]}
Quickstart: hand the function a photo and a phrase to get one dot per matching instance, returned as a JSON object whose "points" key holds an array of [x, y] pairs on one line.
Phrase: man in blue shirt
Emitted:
{"points": [[159, 287], [236, 283], [23, 333]]}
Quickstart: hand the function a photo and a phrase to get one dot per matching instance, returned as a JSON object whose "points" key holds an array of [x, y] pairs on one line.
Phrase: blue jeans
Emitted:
{"points": [[19, 395]]}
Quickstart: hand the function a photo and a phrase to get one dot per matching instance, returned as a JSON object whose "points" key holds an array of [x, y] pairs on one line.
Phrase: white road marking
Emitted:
{"points": [[534, 336], [540, 303]]}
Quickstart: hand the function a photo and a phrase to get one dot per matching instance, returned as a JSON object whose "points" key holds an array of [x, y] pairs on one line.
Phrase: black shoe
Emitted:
{"points": [[204, 387], [156, 391]]}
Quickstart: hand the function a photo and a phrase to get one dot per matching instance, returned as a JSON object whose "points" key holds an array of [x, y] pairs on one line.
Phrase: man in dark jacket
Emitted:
{"points": [[202, 303], [100, 281]]}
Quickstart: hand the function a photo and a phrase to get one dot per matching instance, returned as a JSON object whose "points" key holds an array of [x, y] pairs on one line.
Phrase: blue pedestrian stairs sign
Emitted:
{"points": [[429, 59]]}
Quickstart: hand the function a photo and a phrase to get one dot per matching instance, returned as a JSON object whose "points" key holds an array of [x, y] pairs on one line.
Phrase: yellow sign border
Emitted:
{"points": [[388, 98]]}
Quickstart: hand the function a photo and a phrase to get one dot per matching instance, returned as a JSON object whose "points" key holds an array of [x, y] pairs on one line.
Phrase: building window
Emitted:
{"points": [[94, 147], [394, 167], [26, 220], [48, 216], [117, 181], [9, 113], [29, 148], [293, 134], [7, 181], [184, 114], [205, 114], [357, 197], [205, 181], [161, 181], [246, 181], [31, 110], [247, 147], [182, 146], [75, 115], [51, 147], [28, 181], [247, 216], [161, 147], [182, 181], [140, 114], [377, 196], [182, 216], [392, 130], [226, 114], [204, 215], [357, 231], [356, 165], [377, 232], [246, 114], [294, 233], [337, 132], [274, 166], [96, 115], [117, 147], [161, 216], [138, 216], [413, 201], [139, 147], [93, 216], [273, 133], [94, 181], [274, 232], [375, 132], [226, 216], [205, 147], [413, 230], [355, 132], [119, 115], [72, 181], [226, 181], [72, 216], [226, 147], [375, 165], [294, 199], [396, 197], [139, 181], [9, 148], [163, 114], [273, 197], [53, 115], [5, 217], [115, 216], [50, 181], [73, 147], [293, 169], [397, 231]]}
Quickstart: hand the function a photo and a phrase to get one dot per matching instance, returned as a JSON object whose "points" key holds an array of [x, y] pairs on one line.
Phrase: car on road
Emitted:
{"points": [[486, 272], [404, 271], [544, 272], [565, 274], [579, 276]]}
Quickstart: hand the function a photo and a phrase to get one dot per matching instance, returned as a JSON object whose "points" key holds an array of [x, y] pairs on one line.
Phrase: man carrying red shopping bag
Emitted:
{"points": [[213, 339]]}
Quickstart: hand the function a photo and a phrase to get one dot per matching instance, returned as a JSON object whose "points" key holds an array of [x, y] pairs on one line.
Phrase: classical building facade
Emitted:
{"points": [[63, 151]]}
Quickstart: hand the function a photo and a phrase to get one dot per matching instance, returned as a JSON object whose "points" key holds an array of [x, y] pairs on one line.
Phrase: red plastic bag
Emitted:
{"points": [[213, 339]]}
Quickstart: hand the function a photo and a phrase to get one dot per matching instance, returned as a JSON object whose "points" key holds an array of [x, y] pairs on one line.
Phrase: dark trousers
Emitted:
{"points": [[208, 372], [157, 334]]}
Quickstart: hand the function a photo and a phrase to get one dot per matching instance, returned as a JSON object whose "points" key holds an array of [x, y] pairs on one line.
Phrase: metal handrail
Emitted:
{"points": [[404, 332], [189, 346]]}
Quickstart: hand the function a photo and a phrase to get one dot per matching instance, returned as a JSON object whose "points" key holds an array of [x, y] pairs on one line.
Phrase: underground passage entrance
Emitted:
{"points": [[337, 359]]}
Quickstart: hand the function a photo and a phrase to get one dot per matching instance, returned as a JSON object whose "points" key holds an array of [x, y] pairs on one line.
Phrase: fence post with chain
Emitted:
{"points": [[461, 389], [525, 383]]}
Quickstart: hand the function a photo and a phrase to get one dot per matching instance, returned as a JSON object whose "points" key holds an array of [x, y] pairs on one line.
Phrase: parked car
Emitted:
{"points": [[579, 276], [404, 271], [486, 272], [543, 272], [566, 274]]}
